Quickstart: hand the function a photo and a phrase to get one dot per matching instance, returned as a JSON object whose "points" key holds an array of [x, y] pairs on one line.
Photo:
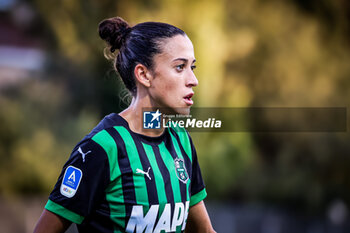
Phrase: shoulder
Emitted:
{"points": [[107, 122], [88, 149], [99, 132], [100, 138]]}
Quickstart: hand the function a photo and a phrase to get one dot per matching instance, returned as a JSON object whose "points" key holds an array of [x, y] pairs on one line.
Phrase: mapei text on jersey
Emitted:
{"points": [[139, 223]]}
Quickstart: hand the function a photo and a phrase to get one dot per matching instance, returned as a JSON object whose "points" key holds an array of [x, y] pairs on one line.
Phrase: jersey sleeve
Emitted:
{"points": [[198, 192], [81, 183]]}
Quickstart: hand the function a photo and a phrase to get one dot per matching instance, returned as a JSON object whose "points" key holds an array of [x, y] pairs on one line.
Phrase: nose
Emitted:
{"points": [[192, 81]]}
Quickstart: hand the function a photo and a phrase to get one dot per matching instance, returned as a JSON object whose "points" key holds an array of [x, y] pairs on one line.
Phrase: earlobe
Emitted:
{"points": [[142, 75]]}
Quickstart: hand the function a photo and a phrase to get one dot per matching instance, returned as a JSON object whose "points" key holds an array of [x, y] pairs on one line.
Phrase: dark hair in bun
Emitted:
{"points": [[114, 31], [137, 45]]}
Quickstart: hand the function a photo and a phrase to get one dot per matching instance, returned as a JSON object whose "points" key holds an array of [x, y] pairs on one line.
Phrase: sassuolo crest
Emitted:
{"points": [[181, 171]]}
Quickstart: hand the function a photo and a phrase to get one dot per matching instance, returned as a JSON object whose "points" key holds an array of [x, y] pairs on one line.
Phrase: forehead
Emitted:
{"points": [[175, 47]]}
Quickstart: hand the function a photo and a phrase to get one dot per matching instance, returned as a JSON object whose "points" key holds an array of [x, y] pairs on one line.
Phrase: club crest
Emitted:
{"points": [[181, 171]]}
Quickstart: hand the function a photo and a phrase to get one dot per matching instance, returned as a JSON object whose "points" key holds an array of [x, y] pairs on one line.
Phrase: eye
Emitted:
{"points": [[179, 68], [193, 67]]}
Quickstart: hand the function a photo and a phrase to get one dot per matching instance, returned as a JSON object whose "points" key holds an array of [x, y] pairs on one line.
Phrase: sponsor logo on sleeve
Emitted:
{"points": [[83, 154], [71, 181]]}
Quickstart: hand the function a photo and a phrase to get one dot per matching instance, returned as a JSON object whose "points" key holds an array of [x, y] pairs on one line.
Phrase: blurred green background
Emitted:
{"points": [[56, 85]]}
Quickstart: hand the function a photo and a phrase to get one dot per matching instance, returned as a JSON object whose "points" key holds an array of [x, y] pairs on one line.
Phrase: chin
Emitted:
{"points": [[183, 111], [174, 111]]}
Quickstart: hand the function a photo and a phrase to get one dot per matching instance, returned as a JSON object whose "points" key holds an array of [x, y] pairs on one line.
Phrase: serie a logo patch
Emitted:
{"points": [[71, 181]]}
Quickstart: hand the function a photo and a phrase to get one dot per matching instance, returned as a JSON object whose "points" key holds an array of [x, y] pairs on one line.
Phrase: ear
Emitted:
{"points": [[143, 75]]}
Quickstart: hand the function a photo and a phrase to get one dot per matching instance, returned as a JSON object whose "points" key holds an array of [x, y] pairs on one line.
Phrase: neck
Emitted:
{"points": [[134, 116]]}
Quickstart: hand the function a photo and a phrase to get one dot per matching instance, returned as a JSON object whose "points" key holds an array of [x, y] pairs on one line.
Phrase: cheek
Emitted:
{"points": [[161, 91], [172, 90], [166, 87], [169, 87]]}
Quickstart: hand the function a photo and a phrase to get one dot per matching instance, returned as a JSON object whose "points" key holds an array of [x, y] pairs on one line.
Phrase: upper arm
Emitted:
{"points": [[198, 219], [51, 223], [198, 192], [81, 184]]}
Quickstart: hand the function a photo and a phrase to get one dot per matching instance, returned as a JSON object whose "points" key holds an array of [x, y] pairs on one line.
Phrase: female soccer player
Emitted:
{"points": [[122, 177]]}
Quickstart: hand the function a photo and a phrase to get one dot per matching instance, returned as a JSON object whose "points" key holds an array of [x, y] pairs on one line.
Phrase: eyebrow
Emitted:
{"points": [[184, 60]]}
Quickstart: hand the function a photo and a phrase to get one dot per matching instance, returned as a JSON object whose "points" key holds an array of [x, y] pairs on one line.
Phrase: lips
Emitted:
{"points": [[188, 99]]}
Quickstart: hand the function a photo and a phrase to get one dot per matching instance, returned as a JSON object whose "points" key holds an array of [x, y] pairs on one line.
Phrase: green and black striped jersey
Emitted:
{"points": [[119, 181]]}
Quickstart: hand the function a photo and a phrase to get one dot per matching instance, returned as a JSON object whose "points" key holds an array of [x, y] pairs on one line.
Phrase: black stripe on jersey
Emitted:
{"points": [[126, 173], [165, 173], [98, 221], [186, 157], [150, 184], [171, 148]]}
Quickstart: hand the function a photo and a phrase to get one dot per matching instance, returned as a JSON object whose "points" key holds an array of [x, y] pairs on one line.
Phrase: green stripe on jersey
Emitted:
{"points": [[169, 161], [114, 191], [184, 140], [198, 197], [135, 163], [176, 145], [160, 184], [179, 154], [63, 212]]}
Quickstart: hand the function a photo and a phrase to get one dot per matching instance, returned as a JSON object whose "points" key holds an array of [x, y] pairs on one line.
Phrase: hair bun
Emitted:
{"points": [[114, 31]]}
